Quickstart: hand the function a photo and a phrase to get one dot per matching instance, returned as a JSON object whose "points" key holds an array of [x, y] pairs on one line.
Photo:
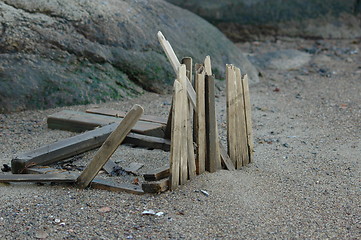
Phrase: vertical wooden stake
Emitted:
{"points": [[200, 126], [182, 76], [109, 146], [247, 102], [187, 61], [241, 122], [176, 140], [231, 96], [213, 161]]}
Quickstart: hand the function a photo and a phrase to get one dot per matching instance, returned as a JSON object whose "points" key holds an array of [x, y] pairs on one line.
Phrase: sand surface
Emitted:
{"points": [[304, 183]]}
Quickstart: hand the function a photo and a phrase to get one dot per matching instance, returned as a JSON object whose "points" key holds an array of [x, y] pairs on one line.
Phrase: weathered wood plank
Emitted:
{"points": [[72, 146], [231, 98], [121, 114], [80, 121], [56, 177], [133, 167], [157, 174], [225, 159], [108, 185], [176, 140], [182, 78], [200, 126], [247, 102], [176, 64], [188, 62], [109, 146], [156, 187], [213, 161], [241, 122]]}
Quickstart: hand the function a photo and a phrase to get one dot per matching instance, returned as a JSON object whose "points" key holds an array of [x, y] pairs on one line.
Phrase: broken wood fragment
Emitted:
{"points": [[109, 146], [157, 174], [156, 187], [53, 177], [108, 185]]}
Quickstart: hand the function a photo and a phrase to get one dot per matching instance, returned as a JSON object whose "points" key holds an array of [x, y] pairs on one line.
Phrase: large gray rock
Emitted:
{"points": [[64, 52], [254, 19]]}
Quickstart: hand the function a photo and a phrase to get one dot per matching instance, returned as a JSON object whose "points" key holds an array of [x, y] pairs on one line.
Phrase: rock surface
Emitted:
{"points": [[255, 19], [64, 52]]}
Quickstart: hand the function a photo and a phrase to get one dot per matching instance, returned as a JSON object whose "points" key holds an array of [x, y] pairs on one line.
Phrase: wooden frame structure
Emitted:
{"points": [[190, 134]]}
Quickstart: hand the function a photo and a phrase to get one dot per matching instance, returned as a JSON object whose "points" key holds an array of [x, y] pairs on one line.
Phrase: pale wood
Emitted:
{"points": [[121, 114], [247, 102], [200, 126], [99, 183], [176, 137], [184, 131], [213, 161], [75, 145], [109, 146], [208, 66], [241, 121], [55, 177], [231, 91], [188, 62], [176, 64], [225, 159], [156, 187], [81, 121], [157, 174]]}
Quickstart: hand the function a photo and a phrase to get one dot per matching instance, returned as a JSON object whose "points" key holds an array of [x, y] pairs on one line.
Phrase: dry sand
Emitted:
{"points": [[304, 183]]}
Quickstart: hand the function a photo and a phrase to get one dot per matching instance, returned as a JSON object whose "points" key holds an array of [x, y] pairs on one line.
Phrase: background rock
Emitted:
{"points": [[63, 52], [242, 20]]}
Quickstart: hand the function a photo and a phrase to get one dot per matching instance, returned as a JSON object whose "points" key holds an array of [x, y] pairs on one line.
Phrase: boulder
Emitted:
{"points": [[243, 20], [64, 52]]}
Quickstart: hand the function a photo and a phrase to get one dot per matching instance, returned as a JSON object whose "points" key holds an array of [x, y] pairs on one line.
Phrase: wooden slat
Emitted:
{"points": [[241, 121], [133, 167], [247, 102], [208, 66], [110, 166], [56, 177], [157, 174], [176, 140], [200, 126], [176, 64], [62, 149], [121, 114], [72, 146], [156, 187], [183, 177], [109, 146], [145, 141], [225, 159], [187, 61], [231, 96], [213, 161], [80, 121], [108, 185]]}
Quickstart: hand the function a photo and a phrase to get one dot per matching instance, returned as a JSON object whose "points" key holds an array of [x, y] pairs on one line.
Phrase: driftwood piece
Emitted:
{"points": [[157, 174], [109, 146], [55, 177], [108, 185], [156, 187]]}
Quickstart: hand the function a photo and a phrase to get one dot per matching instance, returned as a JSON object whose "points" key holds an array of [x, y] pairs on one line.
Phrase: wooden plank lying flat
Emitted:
{"points": [[121, 114], [109, 146], [176, 140], [72, 146], [213, 161], [80, 121], [147, 141], [133, 167], [157, 174], [247, 102], [110, 166], [62, 149], [225, 159], [45, 170], [108, 185], [200, 123], [156, 187], [56, 177]]}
